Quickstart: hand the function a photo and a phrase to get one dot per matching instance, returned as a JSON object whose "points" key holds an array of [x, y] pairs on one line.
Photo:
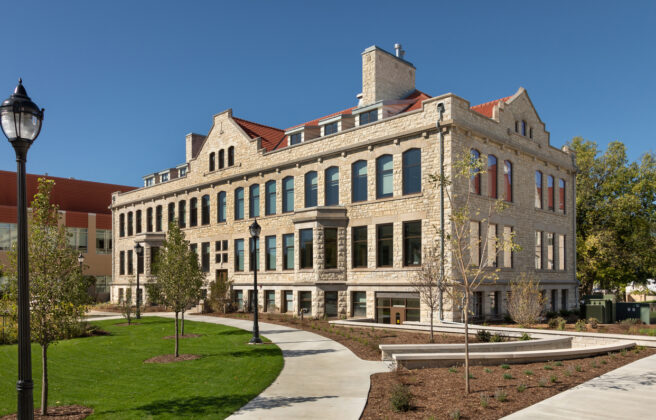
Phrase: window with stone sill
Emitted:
{"points": [[330, 247], [359, 246], [368, 117], [329, 129], [295, 139]]}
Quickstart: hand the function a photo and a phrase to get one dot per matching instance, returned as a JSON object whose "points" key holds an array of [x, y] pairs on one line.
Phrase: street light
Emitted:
{"points": [[138, 249], [80, 259], [255, 230], [21, 124]]}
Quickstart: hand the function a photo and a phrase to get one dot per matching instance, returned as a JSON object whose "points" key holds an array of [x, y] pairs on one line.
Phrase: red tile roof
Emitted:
{"points": [[419, 97], [272, 138], [68, 194], [487, 108], [316, 121]]}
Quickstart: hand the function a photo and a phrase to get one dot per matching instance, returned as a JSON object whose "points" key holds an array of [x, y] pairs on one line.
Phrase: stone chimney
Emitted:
{"points": [[193, 143], [385, 76]]}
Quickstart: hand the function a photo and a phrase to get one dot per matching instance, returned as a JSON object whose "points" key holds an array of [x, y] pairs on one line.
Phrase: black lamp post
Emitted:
{"points": [[138, 249], [255, 230], [21, 123], [80, 259]]}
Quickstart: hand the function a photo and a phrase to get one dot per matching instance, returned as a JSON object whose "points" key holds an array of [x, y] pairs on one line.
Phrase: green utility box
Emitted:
{"points": [[648, 313], [597, 311]]}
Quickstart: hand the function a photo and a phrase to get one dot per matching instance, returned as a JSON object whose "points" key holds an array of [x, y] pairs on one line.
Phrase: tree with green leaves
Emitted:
{"points": [[178, 275], [219, 299], [471, 256], [526, 301], [428, 283], [615, 216], [58, 290], [126, 304]]}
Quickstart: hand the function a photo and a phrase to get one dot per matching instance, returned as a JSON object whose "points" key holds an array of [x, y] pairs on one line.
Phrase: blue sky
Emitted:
{"points": [[124, 81]]}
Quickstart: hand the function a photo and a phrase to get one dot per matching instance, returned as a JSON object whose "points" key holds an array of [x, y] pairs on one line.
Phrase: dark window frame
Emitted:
{"points": [[409, 167], [359, 242], [384, 174]]}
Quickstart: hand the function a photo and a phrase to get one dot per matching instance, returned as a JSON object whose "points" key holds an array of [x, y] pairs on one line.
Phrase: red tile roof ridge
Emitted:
{"points": [[316, 120], [252, 122], [487, 107]]}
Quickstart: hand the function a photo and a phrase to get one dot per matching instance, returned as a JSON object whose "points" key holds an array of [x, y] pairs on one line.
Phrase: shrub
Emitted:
{"points": [[525, 337], [400, 398], [578, 368], [497, 338], [593, 364], [594, 323], [453, 369], [548, 367], [630, 321], [507, 376], [484, 402], [648, 331], [500, 395], [561, 323], [521, 388], [504, 366], [558, 363], [528, 372], [580, 325], [568, 372], [483, 336], [488, 370], [553, 379], [623, 352], [557, 322], [525, 303]]}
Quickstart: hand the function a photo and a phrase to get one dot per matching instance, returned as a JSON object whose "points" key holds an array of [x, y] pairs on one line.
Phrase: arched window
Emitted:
{"points": [[412, 171], [205, 210], [508, 181], [221, 159], [551, 192], [231, 155], [475, 180], [149, 219], [182, 214], [222, 206], [130, 223], [523, 128], [212, 156], [538, 189], [311, 189], [270, 198], [121, 225], [359, 181], [492, 176], [193, 212], [171, 214], [288, 194], [384, 176], [137, 227], [254, 201], [239, 203], [561, 195], [332, 186], [158, 218]]}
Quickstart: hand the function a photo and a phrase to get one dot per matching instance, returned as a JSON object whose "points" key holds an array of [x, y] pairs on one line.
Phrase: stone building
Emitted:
{"points": [[345, 203]]}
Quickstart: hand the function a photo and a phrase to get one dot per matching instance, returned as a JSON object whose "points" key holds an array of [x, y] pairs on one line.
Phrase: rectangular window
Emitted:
{"points": [[193, 212], [239, 299], [550, 251], [288, 301], [332, 186], [138, 222], [368, 117], [130, 223], [163, 177], [269, 301], [475, 243], [507, 246], [492, 176], [359, 181], [305, 245], [412, 243], [385, 245], [330, 303], [329, 129], [384, 176], [171, 213], [222, 207], [205, 256], [224, 245], [77, 238], [239, 255], [494, 303], [561, 195], [311, 189], [551, 192], [182, 214], [217, 246], [359, 303], [205, 210], [538, 189], [254, 201], [295, 138], [270, 249], [103, 241], [239, 203], [563, 299], [554, 300], [288, 194], [330, 247], [121, 228], [412, 171], [254, 248], [130, 266], [270, 200], [158, 218], [492, 245], [9, 235], [121, 264], [149, 219], [305, 302], [359, 245], [194, 249], [561, 252], [508, 181], [288, 251], [538, 250]]}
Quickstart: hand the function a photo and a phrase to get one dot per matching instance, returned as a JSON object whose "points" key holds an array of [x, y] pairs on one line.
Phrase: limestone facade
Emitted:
{"points": [[405, 121]]}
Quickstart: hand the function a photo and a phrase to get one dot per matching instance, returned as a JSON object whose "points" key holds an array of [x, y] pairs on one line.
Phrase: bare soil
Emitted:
{"points": [[169, 358], [439, 392], [362, 341], [62, 412], [170, 337]]}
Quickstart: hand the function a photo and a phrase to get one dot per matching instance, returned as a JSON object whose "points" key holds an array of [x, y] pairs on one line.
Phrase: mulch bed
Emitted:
{"points": [[363, 341], [169, 337], [62, 412], [617, 328], [169, 358], [439, 392]]}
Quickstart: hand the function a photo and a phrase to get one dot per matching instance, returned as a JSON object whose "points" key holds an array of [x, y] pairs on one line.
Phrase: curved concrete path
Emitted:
{"points": [[628, 392], [320, 379]]}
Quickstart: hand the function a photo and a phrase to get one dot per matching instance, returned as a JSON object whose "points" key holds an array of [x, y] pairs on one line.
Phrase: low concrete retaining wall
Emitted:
{"points": [[390, 350]]}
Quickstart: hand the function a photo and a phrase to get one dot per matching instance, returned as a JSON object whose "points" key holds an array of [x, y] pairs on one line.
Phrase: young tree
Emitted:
{"points": [[428, 282], [58, 290], [526, 302], [126, 304], [472, 256], [219, 299], [178, 274]]}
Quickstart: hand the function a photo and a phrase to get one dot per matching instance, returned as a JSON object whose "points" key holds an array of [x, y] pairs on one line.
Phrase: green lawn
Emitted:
{"points": [[107, 373]]}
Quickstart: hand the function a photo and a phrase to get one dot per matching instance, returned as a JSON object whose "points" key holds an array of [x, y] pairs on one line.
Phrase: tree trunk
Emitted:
{"points": [[183, 311], [432, 312], [466, 310], [176, 334], [44, 380]]}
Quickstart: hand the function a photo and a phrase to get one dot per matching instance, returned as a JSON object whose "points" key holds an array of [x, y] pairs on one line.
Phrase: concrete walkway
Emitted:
{"points": [[628, 392], [320, 379]]}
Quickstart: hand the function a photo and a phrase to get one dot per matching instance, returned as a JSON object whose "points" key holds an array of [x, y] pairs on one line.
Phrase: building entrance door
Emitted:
{"points": [[398, 315]]}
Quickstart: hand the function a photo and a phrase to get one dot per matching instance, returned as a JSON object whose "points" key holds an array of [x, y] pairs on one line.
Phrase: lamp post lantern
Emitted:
{"points": [[138, 249], [80, 259], [21, 124], [255, 230]]}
